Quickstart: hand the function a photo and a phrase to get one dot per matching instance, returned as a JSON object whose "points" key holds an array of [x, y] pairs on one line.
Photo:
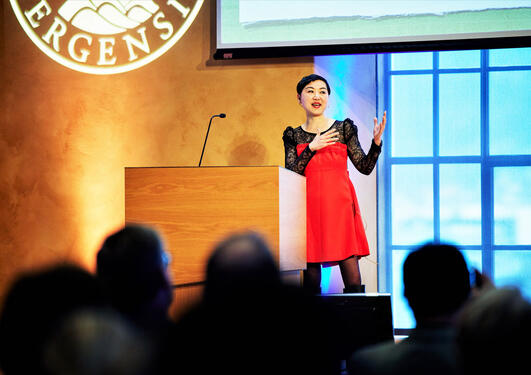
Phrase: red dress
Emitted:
{"points": [[335, 228]]}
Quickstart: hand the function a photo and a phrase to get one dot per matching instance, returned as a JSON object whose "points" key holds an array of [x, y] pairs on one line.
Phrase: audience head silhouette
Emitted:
{"points": [[57, 320], [35, 306], [131, 266], [436, 285], [241, 324], [436, 282], [492, 332], [242, 262]]}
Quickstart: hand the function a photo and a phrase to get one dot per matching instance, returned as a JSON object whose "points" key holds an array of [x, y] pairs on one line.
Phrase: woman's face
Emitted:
{"points": [[314, 98]]}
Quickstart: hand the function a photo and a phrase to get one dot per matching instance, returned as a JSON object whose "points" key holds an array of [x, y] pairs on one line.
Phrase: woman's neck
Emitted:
{"points": [[313, 124]]}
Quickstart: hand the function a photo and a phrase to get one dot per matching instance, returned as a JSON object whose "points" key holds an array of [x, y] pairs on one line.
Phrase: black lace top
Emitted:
{"points": [[348, 135]]}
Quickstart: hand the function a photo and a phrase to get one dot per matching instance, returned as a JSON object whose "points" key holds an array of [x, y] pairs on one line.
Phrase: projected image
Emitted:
{"points": [[260, 10], [262, 23]]}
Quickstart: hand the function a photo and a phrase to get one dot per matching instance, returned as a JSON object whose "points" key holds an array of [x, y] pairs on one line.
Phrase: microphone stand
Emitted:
{"points": [[208, 130]]}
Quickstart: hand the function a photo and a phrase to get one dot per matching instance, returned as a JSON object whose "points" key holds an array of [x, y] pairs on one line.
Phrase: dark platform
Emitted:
{"points": [[359, 319]]}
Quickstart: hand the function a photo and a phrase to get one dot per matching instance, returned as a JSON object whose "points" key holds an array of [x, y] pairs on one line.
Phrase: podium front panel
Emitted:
{"points": [[195, 208]]}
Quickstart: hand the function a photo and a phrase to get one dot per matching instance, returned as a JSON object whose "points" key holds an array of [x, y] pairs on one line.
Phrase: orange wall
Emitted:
{"points": [[65, 136]]}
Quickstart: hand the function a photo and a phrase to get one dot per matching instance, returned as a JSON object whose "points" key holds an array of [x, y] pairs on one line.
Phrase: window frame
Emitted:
{"points": [[487, 164]]}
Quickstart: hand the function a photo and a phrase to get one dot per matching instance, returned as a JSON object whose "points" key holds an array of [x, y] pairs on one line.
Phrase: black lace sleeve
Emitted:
{"points": [[363, 162], [294, 162]]}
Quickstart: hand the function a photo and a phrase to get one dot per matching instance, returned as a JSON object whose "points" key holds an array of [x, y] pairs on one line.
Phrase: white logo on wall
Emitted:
{"points": [[105, 36]]}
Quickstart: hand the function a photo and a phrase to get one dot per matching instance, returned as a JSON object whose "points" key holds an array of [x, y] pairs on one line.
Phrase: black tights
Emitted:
{"points": [[350, 273]]}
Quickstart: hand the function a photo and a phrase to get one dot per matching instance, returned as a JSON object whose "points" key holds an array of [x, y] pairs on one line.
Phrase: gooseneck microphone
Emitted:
{"points": [[221, 115]]}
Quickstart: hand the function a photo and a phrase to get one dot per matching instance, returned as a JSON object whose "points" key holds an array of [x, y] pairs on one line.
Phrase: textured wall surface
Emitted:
{"points": [[65, 136]]}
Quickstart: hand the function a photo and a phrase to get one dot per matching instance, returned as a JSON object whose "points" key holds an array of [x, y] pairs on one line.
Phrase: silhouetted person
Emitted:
{"points": [[240, 264], [436, 285], [493, 331], [131, 266], [95, 342], [248, 321], [36, 305]]}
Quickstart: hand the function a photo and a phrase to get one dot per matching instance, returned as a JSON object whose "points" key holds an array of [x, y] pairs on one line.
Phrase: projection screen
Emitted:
{"points": [[269, 28]]}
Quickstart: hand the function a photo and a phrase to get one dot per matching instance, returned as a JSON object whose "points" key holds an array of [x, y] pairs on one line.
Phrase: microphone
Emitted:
{"points": [[221, 115]]}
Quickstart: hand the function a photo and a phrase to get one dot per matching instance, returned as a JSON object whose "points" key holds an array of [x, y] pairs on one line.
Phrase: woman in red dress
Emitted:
{"points": [[318, 149]]}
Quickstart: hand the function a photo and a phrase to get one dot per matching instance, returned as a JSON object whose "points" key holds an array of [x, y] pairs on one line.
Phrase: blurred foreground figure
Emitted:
{"points": [[493, 333], [241, 264], [248, 321], [131, 266], [436, 285], [94, 342], [36, 305]]}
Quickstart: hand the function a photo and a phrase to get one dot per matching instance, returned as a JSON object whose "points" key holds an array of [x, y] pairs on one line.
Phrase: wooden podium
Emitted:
{"points": [[196, 207]]}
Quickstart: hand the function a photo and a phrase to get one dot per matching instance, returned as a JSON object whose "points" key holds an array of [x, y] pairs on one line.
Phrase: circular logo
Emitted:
{"points": [[105, 36]]}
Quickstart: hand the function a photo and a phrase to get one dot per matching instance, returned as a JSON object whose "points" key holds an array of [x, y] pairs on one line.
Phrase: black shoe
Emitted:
{"points": [[354, 289]]}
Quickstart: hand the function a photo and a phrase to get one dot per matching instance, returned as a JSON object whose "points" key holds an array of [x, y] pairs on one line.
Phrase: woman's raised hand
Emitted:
{"points": [[379, 128], [321, 140]]}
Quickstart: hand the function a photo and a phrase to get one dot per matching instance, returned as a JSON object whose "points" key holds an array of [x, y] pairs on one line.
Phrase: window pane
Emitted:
{"points": [[459, 59], [402, 314], [459, 114], [510, 57], [412, 60], [412, 204], [412, 115], [512, 205], [460, 203], [512, 268], [509, 98]]}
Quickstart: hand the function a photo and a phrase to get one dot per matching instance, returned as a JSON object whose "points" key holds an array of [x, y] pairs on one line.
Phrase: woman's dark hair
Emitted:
{"points": [[311, 78]]}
